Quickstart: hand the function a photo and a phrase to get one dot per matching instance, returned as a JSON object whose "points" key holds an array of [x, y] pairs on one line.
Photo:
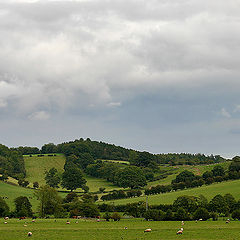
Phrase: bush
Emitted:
{"points": [[4, 209], [107, 216], [236, 214], [155, 215], [201, 213], [116, 216]]}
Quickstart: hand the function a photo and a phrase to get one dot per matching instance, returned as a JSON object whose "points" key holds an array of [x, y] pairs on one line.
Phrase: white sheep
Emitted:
{"points": [[179, 232], [148, 230], [29, 234]]}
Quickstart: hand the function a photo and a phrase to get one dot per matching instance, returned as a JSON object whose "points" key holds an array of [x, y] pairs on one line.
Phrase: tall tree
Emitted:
{"points": [[52, 178], [49, 200], [131, 176], [23, 207], [72, 179]]}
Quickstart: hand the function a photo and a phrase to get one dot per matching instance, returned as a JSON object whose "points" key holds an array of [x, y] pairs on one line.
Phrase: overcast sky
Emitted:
{"points": [[154, 75]]}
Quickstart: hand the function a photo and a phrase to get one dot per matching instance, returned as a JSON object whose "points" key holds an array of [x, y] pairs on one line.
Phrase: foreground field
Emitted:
{"points": [[85, 230]]}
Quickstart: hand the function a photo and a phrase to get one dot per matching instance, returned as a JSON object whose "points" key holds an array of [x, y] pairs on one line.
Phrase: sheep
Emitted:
{"points": [[29, 234], [125, 228], [5, 222], [33, 221], [179, 232], [67, 222], [6, 218], [148, 230]]}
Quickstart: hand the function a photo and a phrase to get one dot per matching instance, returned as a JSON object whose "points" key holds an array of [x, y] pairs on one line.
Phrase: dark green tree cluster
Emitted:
{"points": [[120, 194], [188, 159], [11, 162]]}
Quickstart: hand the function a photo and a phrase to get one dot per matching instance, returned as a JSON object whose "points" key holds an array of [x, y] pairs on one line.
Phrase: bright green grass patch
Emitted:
{"points": [[115, 161], [196, 169], [12, 192], [37, 166], [92, 230], [209, 192], [95, 183]]}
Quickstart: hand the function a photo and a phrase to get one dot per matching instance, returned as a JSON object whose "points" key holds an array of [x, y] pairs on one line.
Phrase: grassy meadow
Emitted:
{"points": [[37, 166], [208, 191], [44, 229]]}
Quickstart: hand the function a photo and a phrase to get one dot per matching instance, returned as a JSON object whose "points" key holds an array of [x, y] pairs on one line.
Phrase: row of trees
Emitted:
{"points": [[121, 194], [183, 208], [187, 179], [101, 150]]}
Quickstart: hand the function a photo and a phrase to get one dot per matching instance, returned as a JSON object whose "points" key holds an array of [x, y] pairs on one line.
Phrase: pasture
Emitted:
{"points": [[57, 229], [208, 191]]}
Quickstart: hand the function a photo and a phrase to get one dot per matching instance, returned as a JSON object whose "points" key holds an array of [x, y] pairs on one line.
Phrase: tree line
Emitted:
{"points": [[183, 208]]}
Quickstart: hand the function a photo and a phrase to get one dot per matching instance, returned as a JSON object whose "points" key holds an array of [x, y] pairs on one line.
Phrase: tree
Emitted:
{"points": [[185, 176], [201, 213], [131, 176], [35, 185], [218, 171], [181, 214], [189, 203], [230, 200], [70, 197], [236, 214], [49, 200], [116, 216], [52, 178], [4, 209], [23, 207], [235, 164], [218, 204], [72, 179]]}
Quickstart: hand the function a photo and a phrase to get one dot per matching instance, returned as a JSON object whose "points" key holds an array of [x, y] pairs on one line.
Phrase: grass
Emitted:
{"points": [[208, 191], [44, 229], [12, 192], [197, 170], [37, 166]]}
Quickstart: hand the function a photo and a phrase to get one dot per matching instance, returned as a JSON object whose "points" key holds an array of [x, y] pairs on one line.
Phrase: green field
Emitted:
{"points": [[36, 166], [197, 170], [44, 229], [11, 192], [209, 192]]}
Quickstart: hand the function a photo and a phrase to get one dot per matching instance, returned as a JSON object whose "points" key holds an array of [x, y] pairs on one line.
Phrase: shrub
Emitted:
{"points": [[116, 216]]}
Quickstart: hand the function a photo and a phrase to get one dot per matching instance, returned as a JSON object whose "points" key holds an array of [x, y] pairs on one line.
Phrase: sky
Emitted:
{"points": [[152, 75]]}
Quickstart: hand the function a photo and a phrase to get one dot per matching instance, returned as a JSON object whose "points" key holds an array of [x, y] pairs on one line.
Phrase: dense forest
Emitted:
{"points": [[11, 163], [101, 150]]}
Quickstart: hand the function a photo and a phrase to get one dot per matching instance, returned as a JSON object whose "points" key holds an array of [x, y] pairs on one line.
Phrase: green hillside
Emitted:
{"points": [[10, 192], [196, 169], [36, 167], [209, 192]]}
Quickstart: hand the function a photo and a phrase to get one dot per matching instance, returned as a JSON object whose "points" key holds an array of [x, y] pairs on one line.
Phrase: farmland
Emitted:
{"points": [[208, 191], [57, 229]]}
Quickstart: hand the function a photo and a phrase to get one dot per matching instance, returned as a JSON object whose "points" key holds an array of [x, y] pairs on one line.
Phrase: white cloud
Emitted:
{"points": [[40, 115], [225, 113]]}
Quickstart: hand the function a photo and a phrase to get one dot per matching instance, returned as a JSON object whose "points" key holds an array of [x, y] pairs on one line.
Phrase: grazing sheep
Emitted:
{"points": [[25, 225], [5, 222], [29, 234], [6, 218], [67, 222], [179, 232], [33, 220], [182, 222], [148, 230], [125, 228], [76, 221]]}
